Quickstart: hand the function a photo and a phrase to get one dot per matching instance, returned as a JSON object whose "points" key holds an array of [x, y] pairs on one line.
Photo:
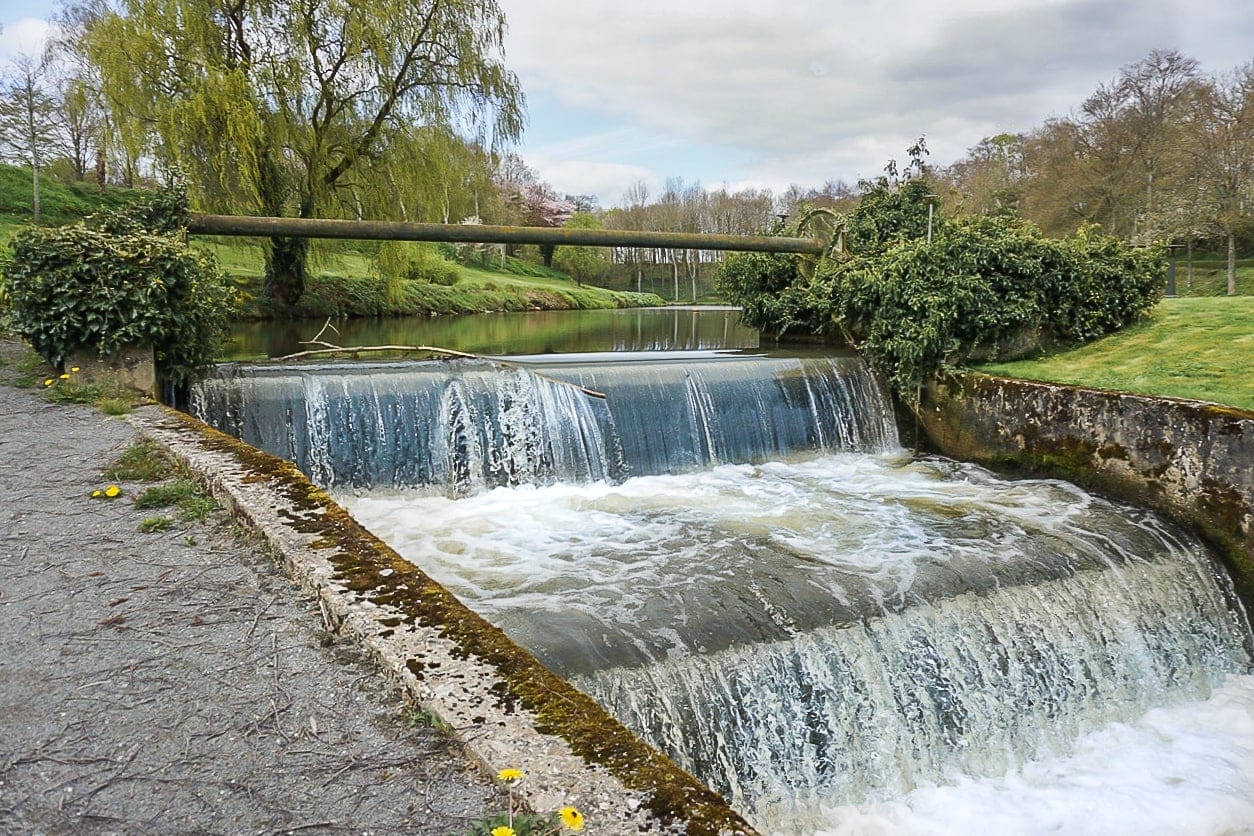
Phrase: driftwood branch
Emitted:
{"points": [[327, 348]]}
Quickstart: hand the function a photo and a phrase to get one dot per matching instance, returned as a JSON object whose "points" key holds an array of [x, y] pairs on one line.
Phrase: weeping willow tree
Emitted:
{"points": [[310, 108]]}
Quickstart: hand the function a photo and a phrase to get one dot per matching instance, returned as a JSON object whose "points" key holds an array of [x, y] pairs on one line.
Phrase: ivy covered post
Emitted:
{"points": [[116, 287]]}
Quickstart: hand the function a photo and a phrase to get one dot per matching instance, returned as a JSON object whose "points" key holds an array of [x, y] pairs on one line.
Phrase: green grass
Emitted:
{"points": [[143, 461], [147, 461], [343, 284], [109, 398], [189, 496], [1210, 277], [8, 226], [1196, 348], [59, 203]]}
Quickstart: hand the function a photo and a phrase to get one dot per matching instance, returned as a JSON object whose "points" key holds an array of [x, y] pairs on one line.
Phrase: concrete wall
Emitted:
{"points": [[1192, 461]]}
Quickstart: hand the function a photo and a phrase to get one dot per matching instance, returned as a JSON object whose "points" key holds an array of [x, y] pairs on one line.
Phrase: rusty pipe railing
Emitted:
{"points": [[248, 225]]}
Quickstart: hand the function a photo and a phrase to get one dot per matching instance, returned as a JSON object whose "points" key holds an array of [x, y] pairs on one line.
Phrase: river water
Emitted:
{"points": [[732, 552], [866, 643], [534, 332]]}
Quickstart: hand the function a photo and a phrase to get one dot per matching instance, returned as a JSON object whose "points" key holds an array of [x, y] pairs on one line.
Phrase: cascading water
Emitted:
{"points": [[735, 557], [464, 426]]}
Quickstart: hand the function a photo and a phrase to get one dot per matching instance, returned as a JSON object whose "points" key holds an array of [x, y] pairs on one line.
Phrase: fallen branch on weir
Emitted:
{"points": [[354, 350]]}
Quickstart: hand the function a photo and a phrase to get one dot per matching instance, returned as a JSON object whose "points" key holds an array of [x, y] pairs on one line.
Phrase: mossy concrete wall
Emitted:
{"points": [[1193, 461], [131, 367], [508, 709]]}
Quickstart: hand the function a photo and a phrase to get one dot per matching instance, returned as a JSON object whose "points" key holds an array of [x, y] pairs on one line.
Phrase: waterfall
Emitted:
{"points": [[975, 685], [843, 629], [735, 557], [465, 426]]}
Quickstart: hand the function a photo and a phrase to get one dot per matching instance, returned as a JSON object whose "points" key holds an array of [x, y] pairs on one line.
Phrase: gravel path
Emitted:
{"points": [[174, 682]]}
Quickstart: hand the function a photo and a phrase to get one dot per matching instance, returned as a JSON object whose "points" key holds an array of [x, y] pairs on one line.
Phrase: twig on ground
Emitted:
{"points": [[260, 613]]}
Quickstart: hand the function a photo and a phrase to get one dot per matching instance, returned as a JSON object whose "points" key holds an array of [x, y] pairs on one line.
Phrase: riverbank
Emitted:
{"points": [[474, 290], [468, 677], [1199, 349], [176, 680]]}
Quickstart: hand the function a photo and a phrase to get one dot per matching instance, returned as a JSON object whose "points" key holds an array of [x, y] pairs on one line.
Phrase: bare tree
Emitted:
{"points": [[1154, 94], [26, 118], [1220, 143]]}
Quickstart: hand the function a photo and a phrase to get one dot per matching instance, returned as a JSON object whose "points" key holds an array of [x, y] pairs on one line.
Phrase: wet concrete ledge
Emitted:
{"points": [[1191, 460], [508, 709]]}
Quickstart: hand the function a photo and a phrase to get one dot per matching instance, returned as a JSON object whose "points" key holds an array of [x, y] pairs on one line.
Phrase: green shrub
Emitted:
{"points": [[983, 288], [632, 299], [434, 271], [397, 262], [125, 278]]}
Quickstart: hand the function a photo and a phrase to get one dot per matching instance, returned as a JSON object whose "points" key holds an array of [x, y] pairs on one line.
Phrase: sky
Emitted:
{"points": [[740, 94]]}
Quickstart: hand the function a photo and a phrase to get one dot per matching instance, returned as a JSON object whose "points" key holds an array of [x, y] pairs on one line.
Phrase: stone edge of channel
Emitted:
{"points": [[500, 702]]}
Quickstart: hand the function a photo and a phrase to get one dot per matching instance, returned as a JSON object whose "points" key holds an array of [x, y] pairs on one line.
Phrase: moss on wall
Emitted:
{"points": [[372, 570], [1192, 461]]}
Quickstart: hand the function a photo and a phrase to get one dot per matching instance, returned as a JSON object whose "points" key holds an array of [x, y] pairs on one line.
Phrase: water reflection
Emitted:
{"points": [[531, 332]]}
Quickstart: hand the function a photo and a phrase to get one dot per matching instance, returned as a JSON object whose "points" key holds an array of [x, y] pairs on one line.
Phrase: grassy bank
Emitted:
{"points": [[1198, 348], [59, 203], [1209, 277], [343, 280], [476, 291], [343, 284]]}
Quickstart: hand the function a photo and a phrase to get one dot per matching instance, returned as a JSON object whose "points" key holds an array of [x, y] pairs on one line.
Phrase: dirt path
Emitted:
{"points": [[174, 682]]}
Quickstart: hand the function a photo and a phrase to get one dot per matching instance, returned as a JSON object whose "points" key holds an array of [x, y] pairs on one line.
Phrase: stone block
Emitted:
{"points": [[131, 367]]}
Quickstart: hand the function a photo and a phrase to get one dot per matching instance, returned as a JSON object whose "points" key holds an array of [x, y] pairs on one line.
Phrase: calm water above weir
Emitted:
{"points": [[733, 553], [531, 332]]}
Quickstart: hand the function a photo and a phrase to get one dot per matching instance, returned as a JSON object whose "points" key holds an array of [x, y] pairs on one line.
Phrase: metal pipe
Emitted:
{"points": [[247, 225]]}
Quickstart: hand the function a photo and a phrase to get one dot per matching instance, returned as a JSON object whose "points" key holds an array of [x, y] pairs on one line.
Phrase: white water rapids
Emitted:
{"points": [[733, 555], [861, 643]]}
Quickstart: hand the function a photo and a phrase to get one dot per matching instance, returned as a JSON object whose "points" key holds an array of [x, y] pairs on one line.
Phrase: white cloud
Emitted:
{"points": [[810, 90], [25, 36], [608, 181]]}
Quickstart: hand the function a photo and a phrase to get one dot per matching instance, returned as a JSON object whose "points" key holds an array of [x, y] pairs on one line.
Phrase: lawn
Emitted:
{"points": [[343, 283], [1210, 277], [1200, 348]]}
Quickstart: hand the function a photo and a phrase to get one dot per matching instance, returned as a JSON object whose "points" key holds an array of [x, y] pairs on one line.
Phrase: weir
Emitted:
{"points": [[467, 425], [733, 554]]}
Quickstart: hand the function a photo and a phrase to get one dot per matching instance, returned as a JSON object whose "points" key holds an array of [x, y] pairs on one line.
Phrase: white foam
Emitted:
{"points": [[1185, 770], [876, 518], [566, 568]]}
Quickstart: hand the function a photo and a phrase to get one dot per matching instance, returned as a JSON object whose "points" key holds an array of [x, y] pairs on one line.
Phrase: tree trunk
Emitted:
{"points": [[285, 270], [1188, 262], [1232, 264], [675, 275], [33, 134], [35, 188], [100, 169]]}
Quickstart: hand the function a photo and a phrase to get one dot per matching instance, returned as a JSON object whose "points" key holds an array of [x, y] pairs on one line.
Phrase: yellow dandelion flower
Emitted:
{"points": [[572, 818], [97, 494], [503, 831], [510, 775], [65, 376], [74, 369], [48, 382], [112, 491]]}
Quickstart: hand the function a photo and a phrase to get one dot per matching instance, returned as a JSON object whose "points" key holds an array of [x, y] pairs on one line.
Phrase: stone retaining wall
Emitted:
{"points": [[1191, 460], [507, 709]]}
